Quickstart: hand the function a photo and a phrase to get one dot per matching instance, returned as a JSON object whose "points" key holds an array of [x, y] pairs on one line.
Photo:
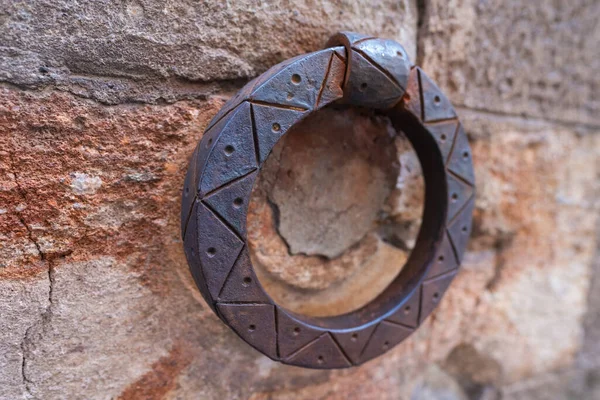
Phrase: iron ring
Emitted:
{"points": [[358, 70]]}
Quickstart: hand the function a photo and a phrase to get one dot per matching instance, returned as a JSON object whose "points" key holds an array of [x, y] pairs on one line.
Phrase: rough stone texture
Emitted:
{"points": [[152, 51], [97, 301], [339, 171], [535, 58], [538, 186]]}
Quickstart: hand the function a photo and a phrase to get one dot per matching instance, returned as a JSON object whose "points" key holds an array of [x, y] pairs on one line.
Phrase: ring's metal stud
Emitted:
{"points": [[358, 70]]}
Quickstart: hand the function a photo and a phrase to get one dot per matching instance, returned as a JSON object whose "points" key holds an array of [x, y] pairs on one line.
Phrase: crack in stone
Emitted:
{"points": [[35, 332], [23, 195], [26, 381], [28, 337], [328, 225], [421, 27]]}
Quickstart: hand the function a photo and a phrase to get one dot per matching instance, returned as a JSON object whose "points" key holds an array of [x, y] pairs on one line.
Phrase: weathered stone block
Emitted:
{"points": [[152, 51], [536, 58]]}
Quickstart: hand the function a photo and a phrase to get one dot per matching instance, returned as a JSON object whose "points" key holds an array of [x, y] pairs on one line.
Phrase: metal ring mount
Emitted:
{"points": [[356, 70]]}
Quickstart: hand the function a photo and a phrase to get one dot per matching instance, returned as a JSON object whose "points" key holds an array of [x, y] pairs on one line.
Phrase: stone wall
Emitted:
{"points": [[101, 105]]}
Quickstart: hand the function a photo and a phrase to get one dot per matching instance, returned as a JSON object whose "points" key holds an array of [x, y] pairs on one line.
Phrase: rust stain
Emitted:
{"points": [[161, 379], [18, 273], [138, 153]]}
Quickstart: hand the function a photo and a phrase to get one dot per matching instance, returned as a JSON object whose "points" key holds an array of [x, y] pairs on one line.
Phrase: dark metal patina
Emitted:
{"points": [[356, 70]]}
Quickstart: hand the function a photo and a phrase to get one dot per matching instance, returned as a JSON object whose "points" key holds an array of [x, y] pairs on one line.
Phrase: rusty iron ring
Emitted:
{"points": [[357, 70]]}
